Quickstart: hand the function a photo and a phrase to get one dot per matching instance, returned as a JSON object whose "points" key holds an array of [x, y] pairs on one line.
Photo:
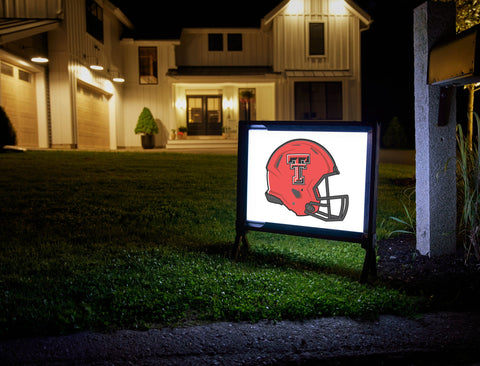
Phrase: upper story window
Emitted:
{"points": [[147, 65], [94, 20], [215, 42], [316, 41], [235, 42]]}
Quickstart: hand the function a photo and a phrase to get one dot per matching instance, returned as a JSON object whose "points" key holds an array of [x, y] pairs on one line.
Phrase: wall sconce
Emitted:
{"points": [[228, 105], [181, 104], [96, 64], [116, 77], [39, 59], [38, 50]]}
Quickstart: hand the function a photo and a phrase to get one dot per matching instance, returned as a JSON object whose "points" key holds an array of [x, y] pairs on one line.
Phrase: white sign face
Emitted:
{"points": [[311, 179]]}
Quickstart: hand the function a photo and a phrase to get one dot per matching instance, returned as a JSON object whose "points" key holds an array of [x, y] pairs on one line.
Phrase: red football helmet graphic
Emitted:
{"points": [[297, 177]]}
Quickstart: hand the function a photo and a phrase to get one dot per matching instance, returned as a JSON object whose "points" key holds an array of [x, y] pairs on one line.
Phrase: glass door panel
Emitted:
{"points": [[204, 115]]}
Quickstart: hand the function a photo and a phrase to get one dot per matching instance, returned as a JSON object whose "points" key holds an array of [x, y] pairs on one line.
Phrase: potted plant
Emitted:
{"points": [[148, 127], [182, 132]]}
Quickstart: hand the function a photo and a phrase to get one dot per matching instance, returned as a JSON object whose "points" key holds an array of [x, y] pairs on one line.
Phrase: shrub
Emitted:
{"points": [[7, 132], [468, 181], [146, 123], [395, 136]]}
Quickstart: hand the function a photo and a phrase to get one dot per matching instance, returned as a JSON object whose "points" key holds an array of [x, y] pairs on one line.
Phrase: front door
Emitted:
{"points": [[204, 115]]}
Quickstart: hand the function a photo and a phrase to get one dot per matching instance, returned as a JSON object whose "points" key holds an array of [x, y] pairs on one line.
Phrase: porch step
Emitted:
{"points": [[221, 144]]}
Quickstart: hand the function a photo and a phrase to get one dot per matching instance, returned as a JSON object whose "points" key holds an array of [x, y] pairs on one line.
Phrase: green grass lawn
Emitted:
{"points": [[99, 241]]}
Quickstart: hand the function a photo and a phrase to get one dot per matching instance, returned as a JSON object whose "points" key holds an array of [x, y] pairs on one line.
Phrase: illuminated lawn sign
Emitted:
{"points": [[315, 179]]}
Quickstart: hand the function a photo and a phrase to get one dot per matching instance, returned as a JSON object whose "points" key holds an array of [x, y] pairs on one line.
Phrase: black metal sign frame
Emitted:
{"points": [[366, 237]]}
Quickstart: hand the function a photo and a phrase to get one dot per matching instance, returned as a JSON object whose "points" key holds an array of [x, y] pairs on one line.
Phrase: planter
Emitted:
{"points": [[148, 141]]}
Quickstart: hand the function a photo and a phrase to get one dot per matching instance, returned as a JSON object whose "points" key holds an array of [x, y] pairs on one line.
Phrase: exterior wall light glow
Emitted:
{"points": [[294, 7], [96, 67], [39, 59], [116, 76], [337, 7], [181, 104]]}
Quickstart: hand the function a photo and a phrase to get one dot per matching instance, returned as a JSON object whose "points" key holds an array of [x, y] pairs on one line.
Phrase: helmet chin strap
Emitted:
{"points": [[323, 210]]}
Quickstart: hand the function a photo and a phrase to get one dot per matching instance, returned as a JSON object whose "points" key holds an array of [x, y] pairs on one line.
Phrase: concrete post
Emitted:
{"points": [[434, 145]]}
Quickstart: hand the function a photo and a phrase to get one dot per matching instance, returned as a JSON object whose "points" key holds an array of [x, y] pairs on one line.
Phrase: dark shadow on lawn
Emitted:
{"points": [[226, 249], [445, 283]]}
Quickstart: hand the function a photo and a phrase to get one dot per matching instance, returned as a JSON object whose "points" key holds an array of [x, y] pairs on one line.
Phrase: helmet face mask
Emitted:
{"points": [[298, 177], [327, 207]]}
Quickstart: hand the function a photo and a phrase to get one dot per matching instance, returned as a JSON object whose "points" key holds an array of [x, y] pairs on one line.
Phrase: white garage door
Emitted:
{"points": [[18, 99], [92, 119]]}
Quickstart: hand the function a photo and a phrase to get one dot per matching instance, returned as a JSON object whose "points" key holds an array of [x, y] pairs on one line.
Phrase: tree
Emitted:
{"points": [[468, 15], [395, 136]]}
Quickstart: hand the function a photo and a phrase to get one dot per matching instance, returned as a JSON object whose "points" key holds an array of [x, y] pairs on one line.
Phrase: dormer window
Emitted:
{"points": [[94, 17], [316, 40], [215, 42], [234, 41]]}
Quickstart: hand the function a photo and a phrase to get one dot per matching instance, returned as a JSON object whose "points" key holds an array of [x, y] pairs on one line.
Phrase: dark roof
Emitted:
{"points": [[220, 71]]}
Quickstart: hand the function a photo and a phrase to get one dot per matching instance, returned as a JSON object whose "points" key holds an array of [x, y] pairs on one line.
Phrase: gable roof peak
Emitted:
{"points": [[365, 19]]}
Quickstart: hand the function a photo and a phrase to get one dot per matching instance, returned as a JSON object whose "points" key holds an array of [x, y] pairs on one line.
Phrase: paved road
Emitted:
{"points": [[432, 339]]}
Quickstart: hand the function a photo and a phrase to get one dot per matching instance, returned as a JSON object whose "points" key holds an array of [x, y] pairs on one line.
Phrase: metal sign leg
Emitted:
{"points": [[241, 244], [370, 263]]}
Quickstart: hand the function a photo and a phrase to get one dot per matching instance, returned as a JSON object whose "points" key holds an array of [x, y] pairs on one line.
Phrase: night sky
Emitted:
{"points": [[387, 47]]}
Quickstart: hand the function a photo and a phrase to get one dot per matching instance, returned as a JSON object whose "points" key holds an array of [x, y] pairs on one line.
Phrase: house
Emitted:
{"points": [[71, 101], [302, 63]]}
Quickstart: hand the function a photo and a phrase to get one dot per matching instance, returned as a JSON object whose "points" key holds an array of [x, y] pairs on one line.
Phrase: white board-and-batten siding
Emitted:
{"points": [[341, 62], [291, 43], [71, 51], [290, 36], [157, 97], [193, 48]]}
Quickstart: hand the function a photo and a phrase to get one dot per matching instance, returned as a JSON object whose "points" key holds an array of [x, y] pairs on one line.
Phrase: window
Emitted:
{"points": [[94, 20], [318, 101], [147, 64], [316, 45], [7, 69], [215, 42], [234, 41], [24, 75]]}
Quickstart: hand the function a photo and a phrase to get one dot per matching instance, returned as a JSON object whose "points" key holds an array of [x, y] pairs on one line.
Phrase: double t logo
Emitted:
{"points": [[298, 162]]}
